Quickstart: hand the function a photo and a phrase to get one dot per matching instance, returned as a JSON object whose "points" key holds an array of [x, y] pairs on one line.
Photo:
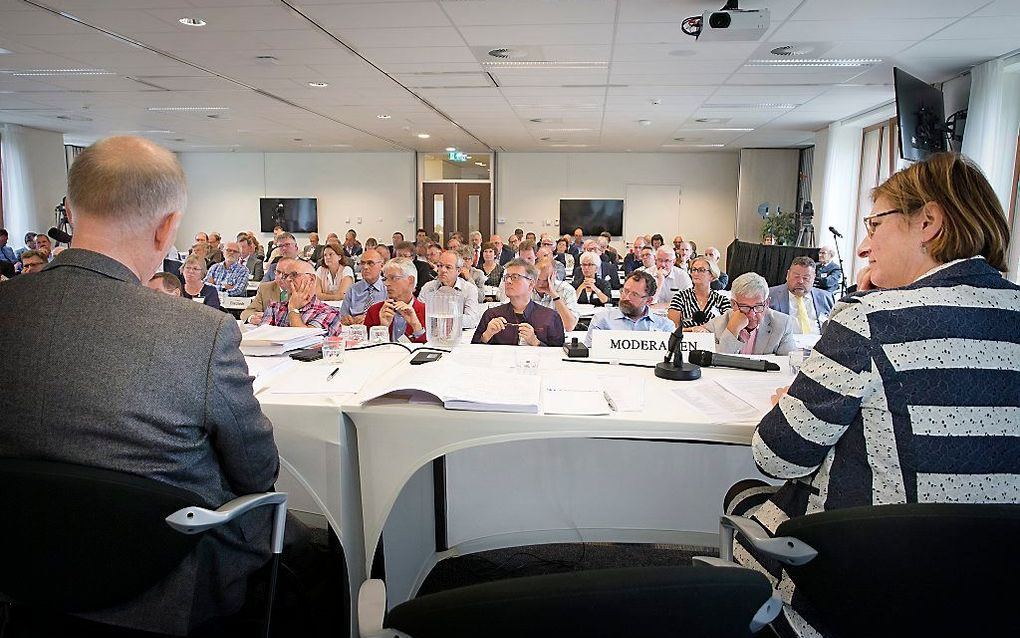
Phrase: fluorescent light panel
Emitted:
{"points": [[815, 62], [545, 64], [48, 72], [188, 108]]}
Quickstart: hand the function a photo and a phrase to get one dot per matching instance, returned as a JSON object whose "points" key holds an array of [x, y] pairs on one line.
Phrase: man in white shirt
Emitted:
{"points": [[449, 266], [557, 295], [669, 279]]}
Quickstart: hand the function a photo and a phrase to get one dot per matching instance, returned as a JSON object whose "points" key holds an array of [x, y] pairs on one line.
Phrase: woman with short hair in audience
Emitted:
{"points": [[698, 305], [910, 394], [202, 249], [563, 255], [335, 276], [490, 265], [591, 289], [193, 272], [657, 241], [469, 272]]}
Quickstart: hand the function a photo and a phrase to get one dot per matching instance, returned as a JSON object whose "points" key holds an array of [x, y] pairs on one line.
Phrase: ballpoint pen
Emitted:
{"points": [[332, 374]]}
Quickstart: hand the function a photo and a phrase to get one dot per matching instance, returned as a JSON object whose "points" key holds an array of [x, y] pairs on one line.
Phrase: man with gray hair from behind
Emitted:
{"points": [[750, 326], [198, 429]]}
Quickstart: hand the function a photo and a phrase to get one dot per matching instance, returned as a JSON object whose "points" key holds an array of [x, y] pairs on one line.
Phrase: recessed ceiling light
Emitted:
{"points": [[188, 108], [383, 116], [424, 136], [318, 85], [451, 149], [192, 22], [4, 52], [645, 122]]}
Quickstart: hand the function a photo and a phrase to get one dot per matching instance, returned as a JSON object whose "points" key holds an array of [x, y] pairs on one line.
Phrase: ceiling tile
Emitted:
{"points": [[857, 30]]}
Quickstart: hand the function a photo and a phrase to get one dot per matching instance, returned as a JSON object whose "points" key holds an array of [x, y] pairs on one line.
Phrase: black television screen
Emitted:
{"points": [[295, 214], [592, 216], [920, 116]]}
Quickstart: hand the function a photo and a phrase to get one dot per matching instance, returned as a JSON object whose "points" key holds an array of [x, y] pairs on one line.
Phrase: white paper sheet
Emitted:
{"points": [[756, 391], [715, 404], [572, 396], [626, 394], [313, 378]]}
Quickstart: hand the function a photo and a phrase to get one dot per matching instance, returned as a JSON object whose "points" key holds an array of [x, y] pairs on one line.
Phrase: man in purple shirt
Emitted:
{"points": [[520, 321], [302, 308]]}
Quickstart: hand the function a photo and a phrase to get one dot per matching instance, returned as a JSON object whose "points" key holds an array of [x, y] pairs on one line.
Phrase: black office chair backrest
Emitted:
{"points": [[640, 601], [910, 570], [78, 538]]}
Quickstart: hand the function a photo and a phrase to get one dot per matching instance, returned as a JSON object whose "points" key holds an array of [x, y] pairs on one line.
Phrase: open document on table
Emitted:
{"points": [[462, 388]]}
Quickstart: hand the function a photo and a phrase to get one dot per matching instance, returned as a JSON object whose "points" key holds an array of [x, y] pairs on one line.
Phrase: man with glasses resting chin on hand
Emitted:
{"points": [[302, 308], [750, 326], [401, 312], [520, 321]]}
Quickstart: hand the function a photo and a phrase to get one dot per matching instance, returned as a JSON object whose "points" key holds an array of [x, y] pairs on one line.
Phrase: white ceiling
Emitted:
{"points": [[418, 61]]}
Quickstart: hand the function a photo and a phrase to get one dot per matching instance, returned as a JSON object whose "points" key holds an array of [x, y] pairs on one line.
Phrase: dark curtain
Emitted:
{"points": [[771, 262]]}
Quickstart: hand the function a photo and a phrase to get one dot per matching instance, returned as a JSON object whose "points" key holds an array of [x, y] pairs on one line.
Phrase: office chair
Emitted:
{"points": [[641, 601], [80, 539], [917, 569]]}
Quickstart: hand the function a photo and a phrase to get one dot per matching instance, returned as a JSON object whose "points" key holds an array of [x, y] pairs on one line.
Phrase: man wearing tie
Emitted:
{"points": [[476, 247], [809, 306]]}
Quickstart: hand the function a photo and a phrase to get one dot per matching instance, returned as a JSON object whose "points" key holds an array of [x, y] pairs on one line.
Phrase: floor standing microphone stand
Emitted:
{"points": [[842, 271]]}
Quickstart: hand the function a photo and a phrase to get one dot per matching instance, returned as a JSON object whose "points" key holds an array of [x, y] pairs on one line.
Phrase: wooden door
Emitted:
{"points": [[474, 210], [439, 200]]}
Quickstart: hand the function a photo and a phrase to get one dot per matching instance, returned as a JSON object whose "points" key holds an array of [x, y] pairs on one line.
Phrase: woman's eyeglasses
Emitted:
{"points": [[514, 278], [870, 224]]}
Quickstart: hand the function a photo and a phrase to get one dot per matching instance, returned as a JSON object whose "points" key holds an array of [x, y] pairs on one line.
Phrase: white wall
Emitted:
{"points": [[530, 185], [766, 175], [41, 172], [224, 191]]}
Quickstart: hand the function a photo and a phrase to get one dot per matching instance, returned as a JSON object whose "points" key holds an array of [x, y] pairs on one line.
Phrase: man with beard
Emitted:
{"points": [[633, 313], [809, 306]]}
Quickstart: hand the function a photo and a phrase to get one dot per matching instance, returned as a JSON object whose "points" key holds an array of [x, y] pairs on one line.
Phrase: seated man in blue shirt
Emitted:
{"points": [[633, 313], [365, 292]]}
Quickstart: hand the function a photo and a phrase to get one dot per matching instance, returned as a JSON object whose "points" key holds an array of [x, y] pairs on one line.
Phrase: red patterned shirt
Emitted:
{"points": [[314, 313]]}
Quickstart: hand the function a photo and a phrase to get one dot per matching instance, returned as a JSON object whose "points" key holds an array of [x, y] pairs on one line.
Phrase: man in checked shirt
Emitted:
{"points": [[302, 309]]}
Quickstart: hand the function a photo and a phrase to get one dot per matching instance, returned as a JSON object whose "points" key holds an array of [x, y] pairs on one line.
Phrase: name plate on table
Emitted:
{"points": [[644, 346]]}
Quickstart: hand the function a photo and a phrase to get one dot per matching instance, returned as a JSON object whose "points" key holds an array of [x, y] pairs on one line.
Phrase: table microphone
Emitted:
{"points": [[673, 367], [709, 359]]}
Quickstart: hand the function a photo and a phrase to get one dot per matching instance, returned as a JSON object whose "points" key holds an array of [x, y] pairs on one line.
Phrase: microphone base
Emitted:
{"points": [[683, 372]]}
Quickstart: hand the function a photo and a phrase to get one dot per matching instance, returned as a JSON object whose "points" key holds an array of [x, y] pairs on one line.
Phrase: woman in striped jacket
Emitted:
{"points": [[913, 392]]}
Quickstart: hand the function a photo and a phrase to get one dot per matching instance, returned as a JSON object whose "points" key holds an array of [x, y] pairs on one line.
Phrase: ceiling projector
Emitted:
{"points": [[743, 25]]}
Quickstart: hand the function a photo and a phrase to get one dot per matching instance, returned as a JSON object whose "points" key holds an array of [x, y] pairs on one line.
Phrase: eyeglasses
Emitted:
{"points": [[702, 270], [386, 278], [231, 250], [514, 278], [870, 224], [631, 294], [756, 308], [290, 275]]}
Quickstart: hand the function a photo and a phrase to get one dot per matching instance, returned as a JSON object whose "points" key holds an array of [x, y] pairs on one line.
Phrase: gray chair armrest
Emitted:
{"points": [[783, 548], [194, 520]]}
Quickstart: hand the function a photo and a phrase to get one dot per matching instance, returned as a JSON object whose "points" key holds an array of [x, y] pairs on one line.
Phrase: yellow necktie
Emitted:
{"points": [[802, 318]]}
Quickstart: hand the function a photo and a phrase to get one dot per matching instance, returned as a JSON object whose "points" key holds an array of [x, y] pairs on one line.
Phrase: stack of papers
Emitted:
{"points": [[462, 388], [268, 341]]}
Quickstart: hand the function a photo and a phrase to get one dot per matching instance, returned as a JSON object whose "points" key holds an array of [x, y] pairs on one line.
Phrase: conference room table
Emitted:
{"points": [[652, 470]]}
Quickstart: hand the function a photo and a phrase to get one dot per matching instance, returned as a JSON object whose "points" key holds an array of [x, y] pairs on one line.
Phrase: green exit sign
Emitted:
{"points": [[457, 156]]}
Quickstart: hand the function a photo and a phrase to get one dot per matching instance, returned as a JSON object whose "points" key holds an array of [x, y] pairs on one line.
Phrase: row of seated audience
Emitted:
{"points": [[900, 402]]}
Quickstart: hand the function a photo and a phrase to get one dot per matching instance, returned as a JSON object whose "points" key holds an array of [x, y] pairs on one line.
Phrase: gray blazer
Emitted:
{"points": [[775, 334], [255, 268], [779, 299], [148, 384]]}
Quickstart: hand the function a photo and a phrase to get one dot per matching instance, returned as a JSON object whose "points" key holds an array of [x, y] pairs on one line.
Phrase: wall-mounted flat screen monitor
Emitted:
{"points": [[295, 214], [593, 216], [920, 116]]}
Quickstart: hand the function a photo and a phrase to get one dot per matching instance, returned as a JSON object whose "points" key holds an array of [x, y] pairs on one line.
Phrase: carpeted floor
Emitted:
{"points": [[534, 560]]}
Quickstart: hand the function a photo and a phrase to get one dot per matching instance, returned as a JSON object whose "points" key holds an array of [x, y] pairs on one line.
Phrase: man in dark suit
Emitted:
{"points": [[810, 307], [503, 253], [122, 400]]}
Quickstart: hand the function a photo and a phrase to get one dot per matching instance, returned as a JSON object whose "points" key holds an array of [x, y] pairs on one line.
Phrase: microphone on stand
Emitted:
{"points": [[673, 367], [832, 229], [59, 236]]}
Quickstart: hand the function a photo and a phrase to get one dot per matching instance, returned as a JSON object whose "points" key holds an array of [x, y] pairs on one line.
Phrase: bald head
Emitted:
{"points": [[126, 180]]}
